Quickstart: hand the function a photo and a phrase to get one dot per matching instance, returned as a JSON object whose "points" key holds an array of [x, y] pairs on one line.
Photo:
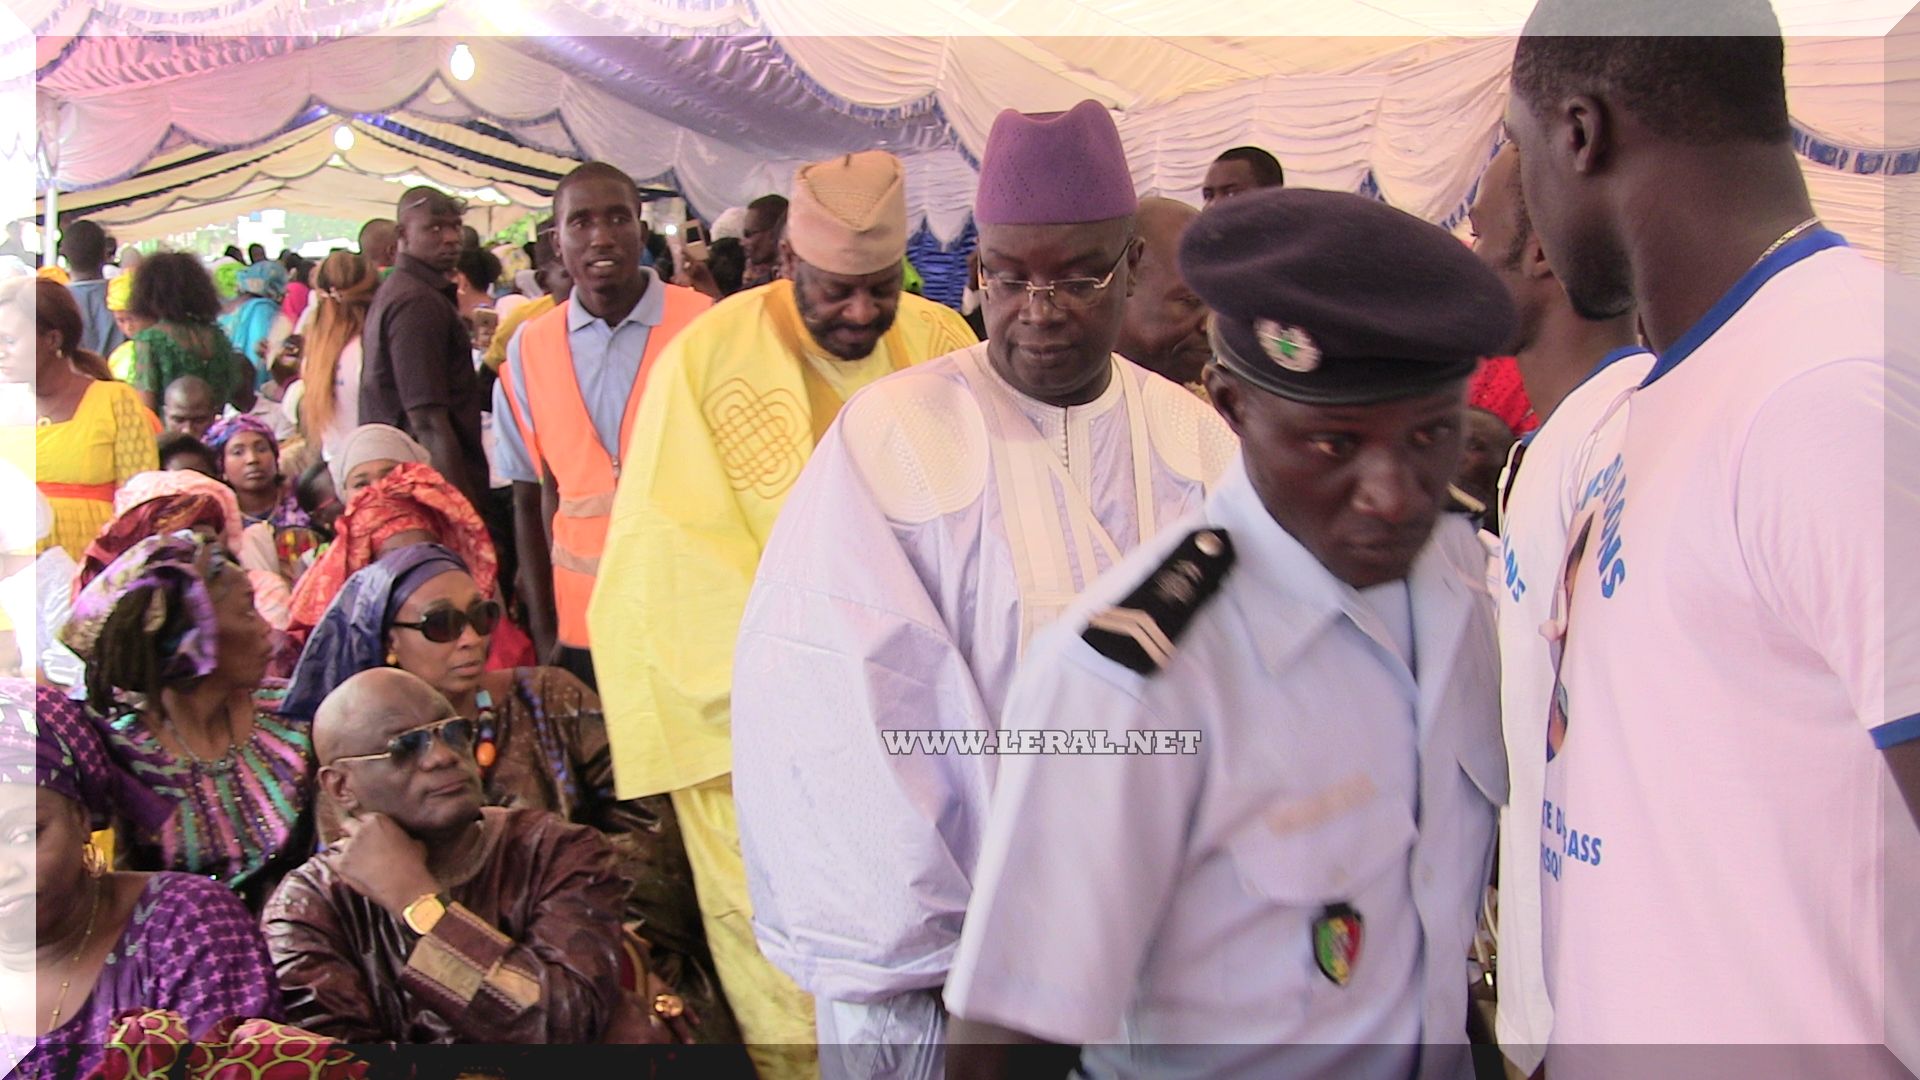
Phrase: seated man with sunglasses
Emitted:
{"points": [[433, 920]]}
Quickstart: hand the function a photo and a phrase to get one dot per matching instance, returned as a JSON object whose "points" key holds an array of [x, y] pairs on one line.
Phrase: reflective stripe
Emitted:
{"points": [[588, 506], [558, 430], [567, 559]]}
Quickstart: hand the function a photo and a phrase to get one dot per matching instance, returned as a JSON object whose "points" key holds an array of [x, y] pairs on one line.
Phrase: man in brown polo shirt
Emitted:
{"points": [[418, 372]]}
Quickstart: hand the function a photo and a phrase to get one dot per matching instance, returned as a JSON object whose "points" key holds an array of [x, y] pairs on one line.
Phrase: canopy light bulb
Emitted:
{"points": [[461, 62], [343, 138]]}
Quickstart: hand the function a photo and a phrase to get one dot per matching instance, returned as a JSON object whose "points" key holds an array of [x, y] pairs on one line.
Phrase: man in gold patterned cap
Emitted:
{"points": [[733, 408]]}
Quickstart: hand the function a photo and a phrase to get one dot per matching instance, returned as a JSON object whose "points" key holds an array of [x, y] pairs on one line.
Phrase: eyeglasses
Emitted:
{"points": [[412, 743], [1067, 294], [443, 625]]}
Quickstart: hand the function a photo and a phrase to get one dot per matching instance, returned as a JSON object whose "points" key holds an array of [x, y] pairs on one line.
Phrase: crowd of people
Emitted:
{"points": [[1167, 663]]}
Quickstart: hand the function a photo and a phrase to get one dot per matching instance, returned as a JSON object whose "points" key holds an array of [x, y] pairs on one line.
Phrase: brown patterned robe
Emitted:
{"points": [[550, 753], [528, 951]]}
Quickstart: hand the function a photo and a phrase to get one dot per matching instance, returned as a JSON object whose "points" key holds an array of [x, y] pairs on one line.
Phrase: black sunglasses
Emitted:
{"points": [[443, 625], [403, 748]]}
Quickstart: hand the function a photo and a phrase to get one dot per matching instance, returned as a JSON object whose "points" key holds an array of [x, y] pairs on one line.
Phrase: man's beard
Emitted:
{"points": [[821, 329]]}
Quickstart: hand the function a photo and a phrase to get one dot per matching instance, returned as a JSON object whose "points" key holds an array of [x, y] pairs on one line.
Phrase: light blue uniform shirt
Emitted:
{"points": [[1161, 910], [606, 361]]}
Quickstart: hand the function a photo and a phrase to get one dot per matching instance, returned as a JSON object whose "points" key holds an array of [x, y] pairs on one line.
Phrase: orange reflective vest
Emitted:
{"points": [[558, 433]]}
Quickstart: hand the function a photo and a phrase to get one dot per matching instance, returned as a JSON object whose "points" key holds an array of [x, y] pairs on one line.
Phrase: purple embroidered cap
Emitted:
{"points": [[1054, 169]]}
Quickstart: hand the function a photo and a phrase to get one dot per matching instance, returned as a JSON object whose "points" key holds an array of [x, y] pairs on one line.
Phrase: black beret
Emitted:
{"points": [[1335, 299]]}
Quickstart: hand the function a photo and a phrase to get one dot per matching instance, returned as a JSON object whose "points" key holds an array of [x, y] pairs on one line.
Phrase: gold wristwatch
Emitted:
{"points": [[424, 914]]}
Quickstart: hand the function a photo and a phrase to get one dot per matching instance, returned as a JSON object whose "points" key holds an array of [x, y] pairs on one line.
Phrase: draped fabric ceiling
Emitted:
{"points": [[721, 99], [305, 170]]}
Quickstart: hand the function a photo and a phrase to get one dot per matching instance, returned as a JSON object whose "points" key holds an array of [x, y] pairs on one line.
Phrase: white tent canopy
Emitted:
{"points": [[721, 99], [308, 170]]}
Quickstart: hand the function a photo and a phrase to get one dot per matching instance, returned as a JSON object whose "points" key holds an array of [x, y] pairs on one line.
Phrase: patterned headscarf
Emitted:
{"points": [[351, 637], [29, 753], [44, 741], [411, 497], [171, 573], [155, 517], [158, 484], [265, 278], [225, 428]]}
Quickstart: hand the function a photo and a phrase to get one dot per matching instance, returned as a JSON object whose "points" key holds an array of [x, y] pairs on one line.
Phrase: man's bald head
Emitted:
{"points": [[1158, 224], [365, 711], [190, 388], [379, 242], [189, 406], [1165, 326]]}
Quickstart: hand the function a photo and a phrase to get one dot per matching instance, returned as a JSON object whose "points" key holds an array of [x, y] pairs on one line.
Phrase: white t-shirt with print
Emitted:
{"points": [[1533, 527], [1727, 849]]}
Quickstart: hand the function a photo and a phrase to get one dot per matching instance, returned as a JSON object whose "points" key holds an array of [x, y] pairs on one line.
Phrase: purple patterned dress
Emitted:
{"points": [[241, 820], [190, 948]]}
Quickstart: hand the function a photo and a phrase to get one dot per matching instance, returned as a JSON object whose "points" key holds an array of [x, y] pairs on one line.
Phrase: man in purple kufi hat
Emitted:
{"points": [[951, 513]]}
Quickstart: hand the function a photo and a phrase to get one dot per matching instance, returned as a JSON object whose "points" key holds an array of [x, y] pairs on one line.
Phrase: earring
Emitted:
{"points": [[393, 658], [94, 862]]}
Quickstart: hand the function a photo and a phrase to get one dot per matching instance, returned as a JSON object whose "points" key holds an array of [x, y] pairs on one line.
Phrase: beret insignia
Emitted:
{"points": [[1289, 346]]}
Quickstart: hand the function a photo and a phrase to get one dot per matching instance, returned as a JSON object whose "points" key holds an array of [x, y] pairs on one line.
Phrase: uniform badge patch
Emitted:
{"points": [[1336, 942]]}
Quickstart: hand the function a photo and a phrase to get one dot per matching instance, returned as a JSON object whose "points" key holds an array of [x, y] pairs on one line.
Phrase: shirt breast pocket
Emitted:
{"points": [[1301, 862], [1304, 853]]}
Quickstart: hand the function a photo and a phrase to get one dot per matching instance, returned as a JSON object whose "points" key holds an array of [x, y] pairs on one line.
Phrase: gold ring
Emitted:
{"points": [[669, 1005]]}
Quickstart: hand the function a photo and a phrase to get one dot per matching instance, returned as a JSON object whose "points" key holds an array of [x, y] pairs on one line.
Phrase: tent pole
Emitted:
{"points": [[49, 250]]}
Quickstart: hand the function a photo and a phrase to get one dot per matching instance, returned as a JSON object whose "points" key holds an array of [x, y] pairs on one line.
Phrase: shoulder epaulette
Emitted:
{"points": [[1140, 632]]}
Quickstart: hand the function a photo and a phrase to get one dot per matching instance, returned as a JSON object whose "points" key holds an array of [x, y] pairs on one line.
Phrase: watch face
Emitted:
{"points": [[422, 914]]}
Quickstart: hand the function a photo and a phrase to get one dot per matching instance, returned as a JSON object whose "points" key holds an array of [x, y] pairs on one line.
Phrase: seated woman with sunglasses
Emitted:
{"points": [[539, 739], [408, 504], [208, 778]]}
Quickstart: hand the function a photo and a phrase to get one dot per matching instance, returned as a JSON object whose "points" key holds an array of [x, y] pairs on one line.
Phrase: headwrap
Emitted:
{"points": [[119, 291], [225, 428], [265, 278], [30, 752], [176, 567], [848, 215], [45, 739], [374, 442], [155, 517], [410, 497], [732, 222], [226, 278], [55, 273], [1054, 169], [351, 637], [157, 484]]}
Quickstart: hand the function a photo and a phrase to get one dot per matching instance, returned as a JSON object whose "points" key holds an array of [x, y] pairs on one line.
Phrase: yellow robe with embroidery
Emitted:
{"points": [[731, 413]]}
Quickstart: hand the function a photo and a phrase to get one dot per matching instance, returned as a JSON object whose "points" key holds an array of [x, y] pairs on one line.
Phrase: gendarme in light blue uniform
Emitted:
{"points": [[1162, 910]]}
